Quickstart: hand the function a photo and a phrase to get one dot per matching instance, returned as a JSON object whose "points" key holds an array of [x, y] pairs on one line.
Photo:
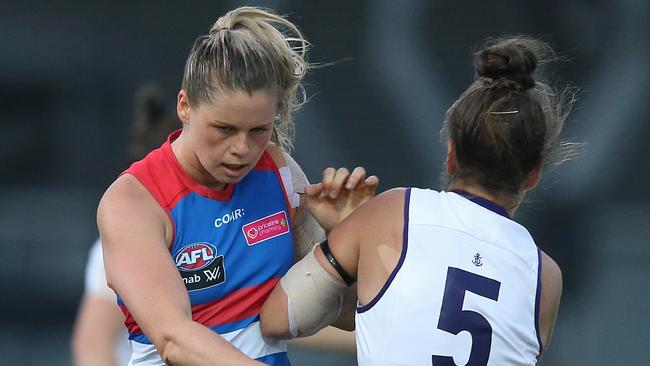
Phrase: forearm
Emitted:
{"points": [[307, 233], [97, 326], [191, 343], [93, 352]]}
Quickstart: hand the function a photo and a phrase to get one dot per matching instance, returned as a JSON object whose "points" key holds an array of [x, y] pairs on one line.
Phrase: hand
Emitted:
{"points": [[340, 193]]}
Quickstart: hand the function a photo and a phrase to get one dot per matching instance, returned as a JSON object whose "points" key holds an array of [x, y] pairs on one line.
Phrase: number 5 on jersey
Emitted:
{"points": [[454, 319]]}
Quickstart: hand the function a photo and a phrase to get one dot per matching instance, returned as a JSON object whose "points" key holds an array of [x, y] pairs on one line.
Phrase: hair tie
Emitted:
{"points": [[217, 30], [504, 112]]}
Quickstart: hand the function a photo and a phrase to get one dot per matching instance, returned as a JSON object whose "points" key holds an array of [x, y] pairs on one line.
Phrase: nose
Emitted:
{"points": [[241, 144]]}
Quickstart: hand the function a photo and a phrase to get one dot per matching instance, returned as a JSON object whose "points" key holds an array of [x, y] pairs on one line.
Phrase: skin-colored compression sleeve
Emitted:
{"points": [[314, 296]]}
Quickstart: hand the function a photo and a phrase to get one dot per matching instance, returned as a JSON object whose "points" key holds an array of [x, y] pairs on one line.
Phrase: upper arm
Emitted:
{"points": [[345, 242], [367, 228], [306, 230], [551, 292], [139, 267]]}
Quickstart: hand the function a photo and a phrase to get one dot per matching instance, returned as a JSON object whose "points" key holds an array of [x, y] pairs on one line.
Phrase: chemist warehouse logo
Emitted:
{"points": [[199, 266], [266, 228]]}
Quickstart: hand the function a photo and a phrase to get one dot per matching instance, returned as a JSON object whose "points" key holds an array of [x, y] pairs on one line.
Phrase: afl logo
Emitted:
{"points": [[195, 256]]}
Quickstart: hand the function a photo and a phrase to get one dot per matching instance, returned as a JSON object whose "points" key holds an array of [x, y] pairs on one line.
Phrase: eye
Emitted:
{"points": [[260, 129], [224, 129]]}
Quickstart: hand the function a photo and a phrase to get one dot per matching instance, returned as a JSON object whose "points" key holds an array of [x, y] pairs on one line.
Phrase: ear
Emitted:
{"points": [[534, 176], [451, 164], [183, 107]]}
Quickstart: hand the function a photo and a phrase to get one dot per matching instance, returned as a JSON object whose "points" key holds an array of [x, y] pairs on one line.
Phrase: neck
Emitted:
{"points": [[192, 166], [509, 203]]}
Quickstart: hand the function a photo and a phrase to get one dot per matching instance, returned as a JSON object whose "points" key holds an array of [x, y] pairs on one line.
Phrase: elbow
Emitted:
{"points": [[168, 349], [265, 327], [272, 326], [274, 318], [167, 343], [168, 354]]}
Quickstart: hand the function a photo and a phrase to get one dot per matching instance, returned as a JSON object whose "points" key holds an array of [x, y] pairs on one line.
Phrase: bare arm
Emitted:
{"points": [[550, 299], [99, 322], [135, 232], [307, 299], [274, 317], [307, 232], [369, 227]]}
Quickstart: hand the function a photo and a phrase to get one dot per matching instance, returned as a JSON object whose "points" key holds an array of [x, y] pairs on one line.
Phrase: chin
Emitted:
{"points": [[228, 179]]}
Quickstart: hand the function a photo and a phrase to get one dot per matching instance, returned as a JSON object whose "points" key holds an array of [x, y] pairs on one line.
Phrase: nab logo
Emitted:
{"points": [[195, 256], [200, 266]]}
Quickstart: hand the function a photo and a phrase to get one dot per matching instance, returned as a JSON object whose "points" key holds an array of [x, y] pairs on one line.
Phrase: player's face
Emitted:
{"points": [[229, 135]]}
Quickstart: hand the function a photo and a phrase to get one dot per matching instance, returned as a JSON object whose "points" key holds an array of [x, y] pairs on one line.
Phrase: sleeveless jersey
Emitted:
{"points": [[465, 290], [231, 247]]}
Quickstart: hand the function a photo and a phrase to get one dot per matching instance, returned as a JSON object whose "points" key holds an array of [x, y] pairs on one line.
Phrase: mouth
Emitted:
{"points": [[234, 169]]}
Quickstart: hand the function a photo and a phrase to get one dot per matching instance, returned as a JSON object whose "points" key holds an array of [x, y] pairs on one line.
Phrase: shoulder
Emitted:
{"points": [[277, 154], [389, 200], [384, 204], [127, 198], [123, 190], [282, 159], [551, 275], [293, 178], [384, 211]]}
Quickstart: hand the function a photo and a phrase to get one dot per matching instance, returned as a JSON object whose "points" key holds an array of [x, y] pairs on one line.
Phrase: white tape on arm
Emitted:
{"points": [[307, 231]]}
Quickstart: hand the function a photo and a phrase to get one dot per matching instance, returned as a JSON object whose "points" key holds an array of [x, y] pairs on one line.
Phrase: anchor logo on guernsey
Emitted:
{"points": [[477, 260], [199, 266]]}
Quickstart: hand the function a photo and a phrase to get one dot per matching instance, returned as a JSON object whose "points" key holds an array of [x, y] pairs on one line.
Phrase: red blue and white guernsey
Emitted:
{"points": [[231, 247]]}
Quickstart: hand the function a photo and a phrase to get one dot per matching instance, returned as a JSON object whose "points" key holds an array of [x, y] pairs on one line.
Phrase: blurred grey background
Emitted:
{"points": [[69, 70]]}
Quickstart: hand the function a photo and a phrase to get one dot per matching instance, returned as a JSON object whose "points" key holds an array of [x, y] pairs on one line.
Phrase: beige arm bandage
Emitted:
{"points": [[314, 296]]}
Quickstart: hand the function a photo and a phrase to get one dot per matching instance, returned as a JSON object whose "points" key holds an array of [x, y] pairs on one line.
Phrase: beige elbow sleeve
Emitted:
{"points": [[314, 296]]}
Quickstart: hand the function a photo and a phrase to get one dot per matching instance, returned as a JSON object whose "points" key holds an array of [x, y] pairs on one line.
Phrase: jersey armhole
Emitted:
{"points": [[407, 199], [538, 300]]}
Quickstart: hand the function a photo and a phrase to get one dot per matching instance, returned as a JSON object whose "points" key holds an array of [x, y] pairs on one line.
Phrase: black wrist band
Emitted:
{"points": [[349, 280]]}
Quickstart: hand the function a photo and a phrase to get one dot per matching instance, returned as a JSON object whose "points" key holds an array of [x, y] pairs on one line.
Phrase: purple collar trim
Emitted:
{"points": [[484, 203]]}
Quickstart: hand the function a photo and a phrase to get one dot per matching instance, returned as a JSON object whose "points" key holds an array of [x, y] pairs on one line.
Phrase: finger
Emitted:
{"points": [[357, 176], [328, 178], [372, 181], [342, 175], [367, 188], [313, 190], [371, 184]]}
